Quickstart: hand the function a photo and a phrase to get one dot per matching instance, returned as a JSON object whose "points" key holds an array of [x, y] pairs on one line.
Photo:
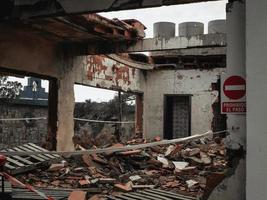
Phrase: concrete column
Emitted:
{"points": [[236, 56], [66, 103], [233, 186], [256, 54]]}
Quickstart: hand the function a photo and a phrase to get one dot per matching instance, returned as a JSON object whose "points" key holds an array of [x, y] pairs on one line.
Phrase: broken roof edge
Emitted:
{"points": [[130, 62], [38, 8]]}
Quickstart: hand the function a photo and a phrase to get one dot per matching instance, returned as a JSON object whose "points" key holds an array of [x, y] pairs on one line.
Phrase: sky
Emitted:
{"points": [[200, 12]]}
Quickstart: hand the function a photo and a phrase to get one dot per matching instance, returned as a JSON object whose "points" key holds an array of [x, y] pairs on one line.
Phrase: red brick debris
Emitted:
{"points": [[193, 168]]}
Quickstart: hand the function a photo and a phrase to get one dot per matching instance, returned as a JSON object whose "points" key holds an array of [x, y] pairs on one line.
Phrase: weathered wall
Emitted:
{"points": [[256, 52], [100, 71], [21, 50], [197, 83], [97, 71], [231, 188], [14, 133], [34, 54]]}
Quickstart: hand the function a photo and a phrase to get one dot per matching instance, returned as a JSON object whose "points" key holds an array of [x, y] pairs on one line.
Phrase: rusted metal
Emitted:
{"points": [[25, 9]]}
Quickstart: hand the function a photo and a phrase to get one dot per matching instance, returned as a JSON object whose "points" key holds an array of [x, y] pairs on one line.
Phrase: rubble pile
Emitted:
{"points": [[191, 168]]}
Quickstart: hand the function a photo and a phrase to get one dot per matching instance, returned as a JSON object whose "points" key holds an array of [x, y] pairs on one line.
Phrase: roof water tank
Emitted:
{"points": [[191, 28], [217, 26], [164, 30]]}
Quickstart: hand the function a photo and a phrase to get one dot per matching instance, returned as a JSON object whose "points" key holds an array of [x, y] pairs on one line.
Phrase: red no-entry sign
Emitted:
{"points": [[234, 87], [233, 92]]}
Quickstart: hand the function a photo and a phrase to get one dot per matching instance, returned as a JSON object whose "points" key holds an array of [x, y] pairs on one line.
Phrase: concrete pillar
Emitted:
{"points": [[256, 53], [233, 186], [66, 103], [139, 115], [236, 56]]}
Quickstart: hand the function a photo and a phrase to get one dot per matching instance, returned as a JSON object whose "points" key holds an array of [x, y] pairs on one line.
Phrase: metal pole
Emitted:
{"points": [[120, 113]]}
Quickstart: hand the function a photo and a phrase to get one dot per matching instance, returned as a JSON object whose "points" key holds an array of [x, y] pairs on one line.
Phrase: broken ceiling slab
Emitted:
{"points": [[26, 9], [130, 63], [80, 28]]}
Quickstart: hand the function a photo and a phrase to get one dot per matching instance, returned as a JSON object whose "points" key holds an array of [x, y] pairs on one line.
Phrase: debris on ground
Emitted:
{"points": [[185, 169]]}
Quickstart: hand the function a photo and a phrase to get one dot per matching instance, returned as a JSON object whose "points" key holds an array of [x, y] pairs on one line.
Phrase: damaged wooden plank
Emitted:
{"points": [[42, 149], [20, 164]]}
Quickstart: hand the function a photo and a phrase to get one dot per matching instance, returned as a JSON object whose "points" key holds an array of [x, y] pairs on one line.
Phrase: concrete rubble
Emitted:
{"points": [[191, 169]]}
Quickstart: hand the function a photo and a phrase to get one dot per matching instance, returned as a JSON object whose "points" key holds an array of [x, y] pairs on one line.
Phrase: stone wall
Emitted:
{"points": [[18, 132], [14, 133]]}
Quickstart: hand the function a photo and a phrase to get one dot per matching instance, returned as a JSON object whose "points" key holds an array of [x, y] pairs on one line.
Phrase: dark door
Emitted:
{"points": [[177, 120]]}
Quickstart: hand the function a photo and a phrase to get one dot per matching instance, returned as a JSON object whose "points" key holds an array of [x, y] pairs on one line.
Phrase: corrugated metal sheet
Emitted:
{"points": [[151, 194]]}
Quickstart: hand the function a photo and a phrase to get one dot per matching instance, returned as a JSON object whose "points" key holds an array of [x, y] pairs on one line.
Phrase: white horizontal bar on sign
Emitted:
{"points": [[235, 87]]}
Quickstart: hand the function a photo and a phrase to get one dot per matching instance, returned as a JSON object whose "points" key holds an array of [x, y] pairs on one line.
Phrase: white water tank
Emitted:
{"points": [[164, 30], [191, 28], [217, 26]]}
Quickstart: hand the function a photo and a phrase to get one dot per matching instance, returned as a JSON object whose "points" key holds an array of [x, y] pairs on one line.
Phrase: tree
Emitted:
{"points": [[107, 111], [9, 89]]}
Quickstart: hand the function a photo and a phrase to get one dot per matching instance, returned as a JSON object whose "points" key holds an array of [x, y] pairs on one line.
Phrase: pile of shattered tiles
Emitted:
{"points": [[193, 168]]}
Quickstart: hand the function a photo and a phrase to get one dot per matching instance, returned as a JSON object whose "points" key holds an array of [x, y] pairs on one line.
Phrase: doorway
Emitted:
{"points": [[177, 116]]}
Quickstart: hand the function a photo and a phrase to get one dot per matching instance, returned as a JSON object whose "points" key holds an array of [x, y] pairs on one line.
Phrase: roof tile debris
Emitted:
{"points": [[191, 169]]}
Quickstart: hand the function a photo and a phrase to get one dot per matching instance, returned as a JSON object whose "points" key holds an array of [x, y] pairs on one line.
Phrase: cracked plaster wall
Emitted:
{"points": [[192, 82]]}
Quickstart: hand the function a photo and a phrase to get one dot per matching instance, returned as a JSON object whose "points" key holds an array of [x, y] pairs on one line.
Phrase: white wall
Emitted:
{"points": [[194, 82], [256, 56]]}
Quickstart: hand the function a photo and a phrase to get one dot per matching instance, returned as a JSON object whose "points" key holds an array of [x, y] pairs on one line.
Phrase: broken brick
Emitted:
{"points": [[77, 195], [124, 187]]}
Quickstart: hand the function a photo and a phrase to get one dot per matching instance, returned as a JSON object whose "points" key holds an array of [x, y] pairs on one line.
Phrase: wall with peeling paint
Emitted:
{"points": [[102, 72], [193, 82], [20, 53]]}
